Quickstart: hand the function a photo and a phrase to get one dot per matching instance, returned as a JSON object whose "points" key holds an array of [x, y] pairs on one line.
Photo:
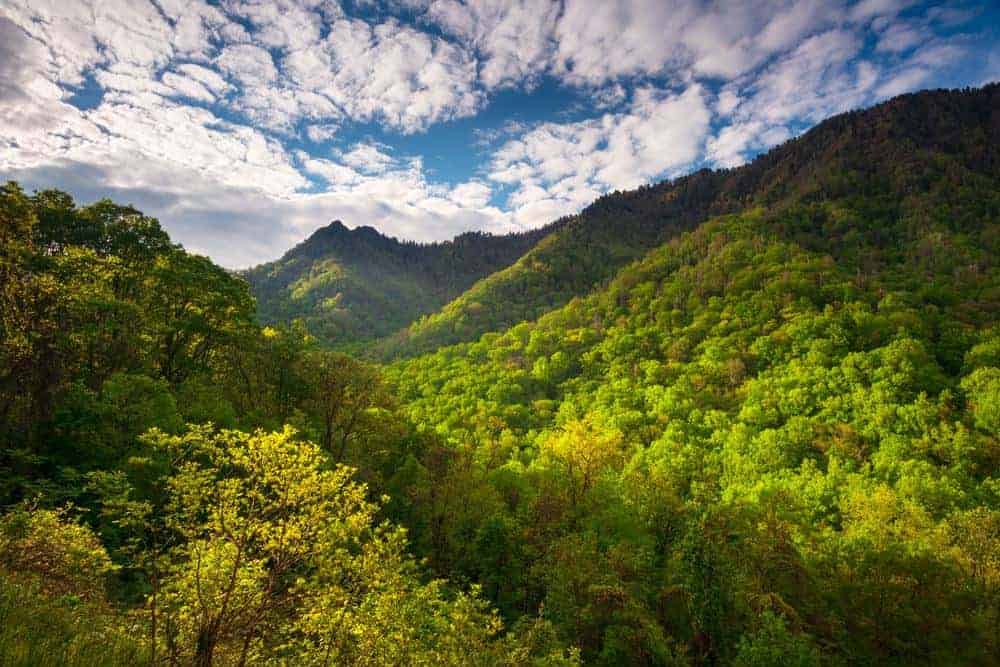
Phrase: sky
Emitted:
{"points": [[245, 125]]}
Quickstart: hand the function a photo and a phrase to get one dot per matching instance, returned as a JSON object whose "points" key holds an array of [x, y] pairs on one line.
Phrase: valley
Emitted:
{"points": [[746, 416]]}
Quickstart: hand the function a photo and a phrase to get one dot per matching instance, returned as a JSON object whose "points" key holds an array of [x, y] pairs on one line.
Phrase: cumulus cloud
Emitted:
{"points": [[248, 64], [691, 37], [558, 168], [238, 120], [184, 86], [321, 132], [209, 78], [515, 37], [394, 73], [368, 158], [284, 24]]}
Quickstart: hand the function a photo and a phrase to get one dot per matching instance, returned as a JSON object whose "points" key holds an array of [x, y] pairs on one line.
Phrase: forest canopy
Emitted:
{"points": [[765, 432]]}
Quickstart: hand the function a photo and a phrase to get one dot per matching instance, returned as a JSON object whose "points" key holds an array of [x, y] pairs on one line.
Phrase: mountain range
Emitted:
{"points": [[353, 285], [350, 286], [743, 417]]}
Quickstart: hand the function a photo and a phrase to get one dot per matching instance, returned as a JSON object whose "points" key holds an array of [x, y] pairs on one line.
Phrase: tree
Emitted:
{"points": [[194, 308], [580, 452], [279, 557], [64, 557], [343, 399]]}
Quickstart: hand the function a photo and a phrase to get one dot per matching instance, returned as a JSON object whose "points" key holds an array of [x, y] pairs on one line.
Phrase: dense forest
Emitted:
{"points": [[850, 153], [747, 417], [180, 483], [348, 286]]}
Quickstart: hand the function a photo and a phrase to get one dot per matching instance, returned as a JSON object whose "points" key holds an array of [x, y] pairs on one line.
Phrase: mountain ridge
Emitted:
{"points": [[770, 439], [410, 298], [835, 156], [354, 284]]}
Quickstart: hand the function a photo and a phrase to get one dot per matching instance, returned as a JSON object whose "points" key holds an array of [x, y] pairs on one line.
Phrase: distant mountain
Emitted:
{"points": [[351, 285], [881, 153]]}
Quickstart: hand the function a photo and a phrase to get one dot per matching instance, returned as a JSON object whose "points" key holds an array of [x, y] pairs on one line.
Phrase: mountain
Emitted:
{"points": [[170, 481], [875, 152], [772, 439], [350, 285]]}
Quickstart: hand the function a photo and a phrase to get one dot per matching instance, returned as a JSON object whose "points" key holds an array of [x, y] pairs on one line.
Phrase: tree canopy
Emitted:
{"points": [[748, 417]]}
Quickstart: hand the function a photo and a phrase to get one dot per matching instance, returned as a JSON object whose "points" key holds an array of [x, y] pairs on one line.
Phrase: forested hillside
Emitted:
{"points": [[350, 285], [749, 417], [860, 152], [773, 440], [179, 484]]}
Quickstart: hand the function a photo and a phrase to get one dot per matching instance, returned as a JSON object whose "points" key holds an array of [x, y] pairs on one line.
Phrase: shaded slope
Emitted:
{"points": [[352, 285], [879, 151]]}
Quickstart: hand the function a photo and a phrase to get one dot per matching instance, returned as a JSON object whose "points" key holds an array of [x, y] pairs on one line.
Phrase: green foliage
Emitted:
{"points": [[772, 645], [759, 438], [279, 558], [64, 557], [53, 609], [224, 547], [38, 630], [772, 440], [348, 286]]}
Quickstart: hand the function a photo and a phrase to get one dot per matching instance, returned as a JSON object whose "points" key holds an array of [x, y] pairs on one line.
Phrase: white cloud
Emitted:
{"points": [[321, 132], [134, 33], [388, 72], [332, 172], [284, 24], [35, 122], [185, 87], [905, 80], [820, 77], [727, 102], [206, 77], [595, 43], [514, 37], [471, 195], [195, 25], [134, 118], [65, 31], [368, 158], [918, 67], [197, 98], [391, 72], [867, 10], [900, 37], [248, 64], [686, 37], [559, 168], [811, 82], [239, 226]]}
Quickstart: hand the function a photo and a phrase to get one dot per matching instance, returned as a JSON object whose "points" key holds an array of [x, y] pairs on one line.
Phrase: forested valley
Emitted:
{"points": [[746, 417]]}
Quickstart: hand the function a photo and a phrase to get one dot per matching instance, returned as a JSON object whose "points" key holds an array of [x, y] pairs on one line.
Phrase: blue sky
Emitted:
{"points": [[244, 125]]}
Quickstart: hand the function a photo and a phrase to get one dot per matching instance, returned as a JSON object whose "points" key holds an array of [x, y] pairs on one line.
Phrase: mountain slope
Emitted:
{"points": [[353, 285], [878, 150], [771, 440]]}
